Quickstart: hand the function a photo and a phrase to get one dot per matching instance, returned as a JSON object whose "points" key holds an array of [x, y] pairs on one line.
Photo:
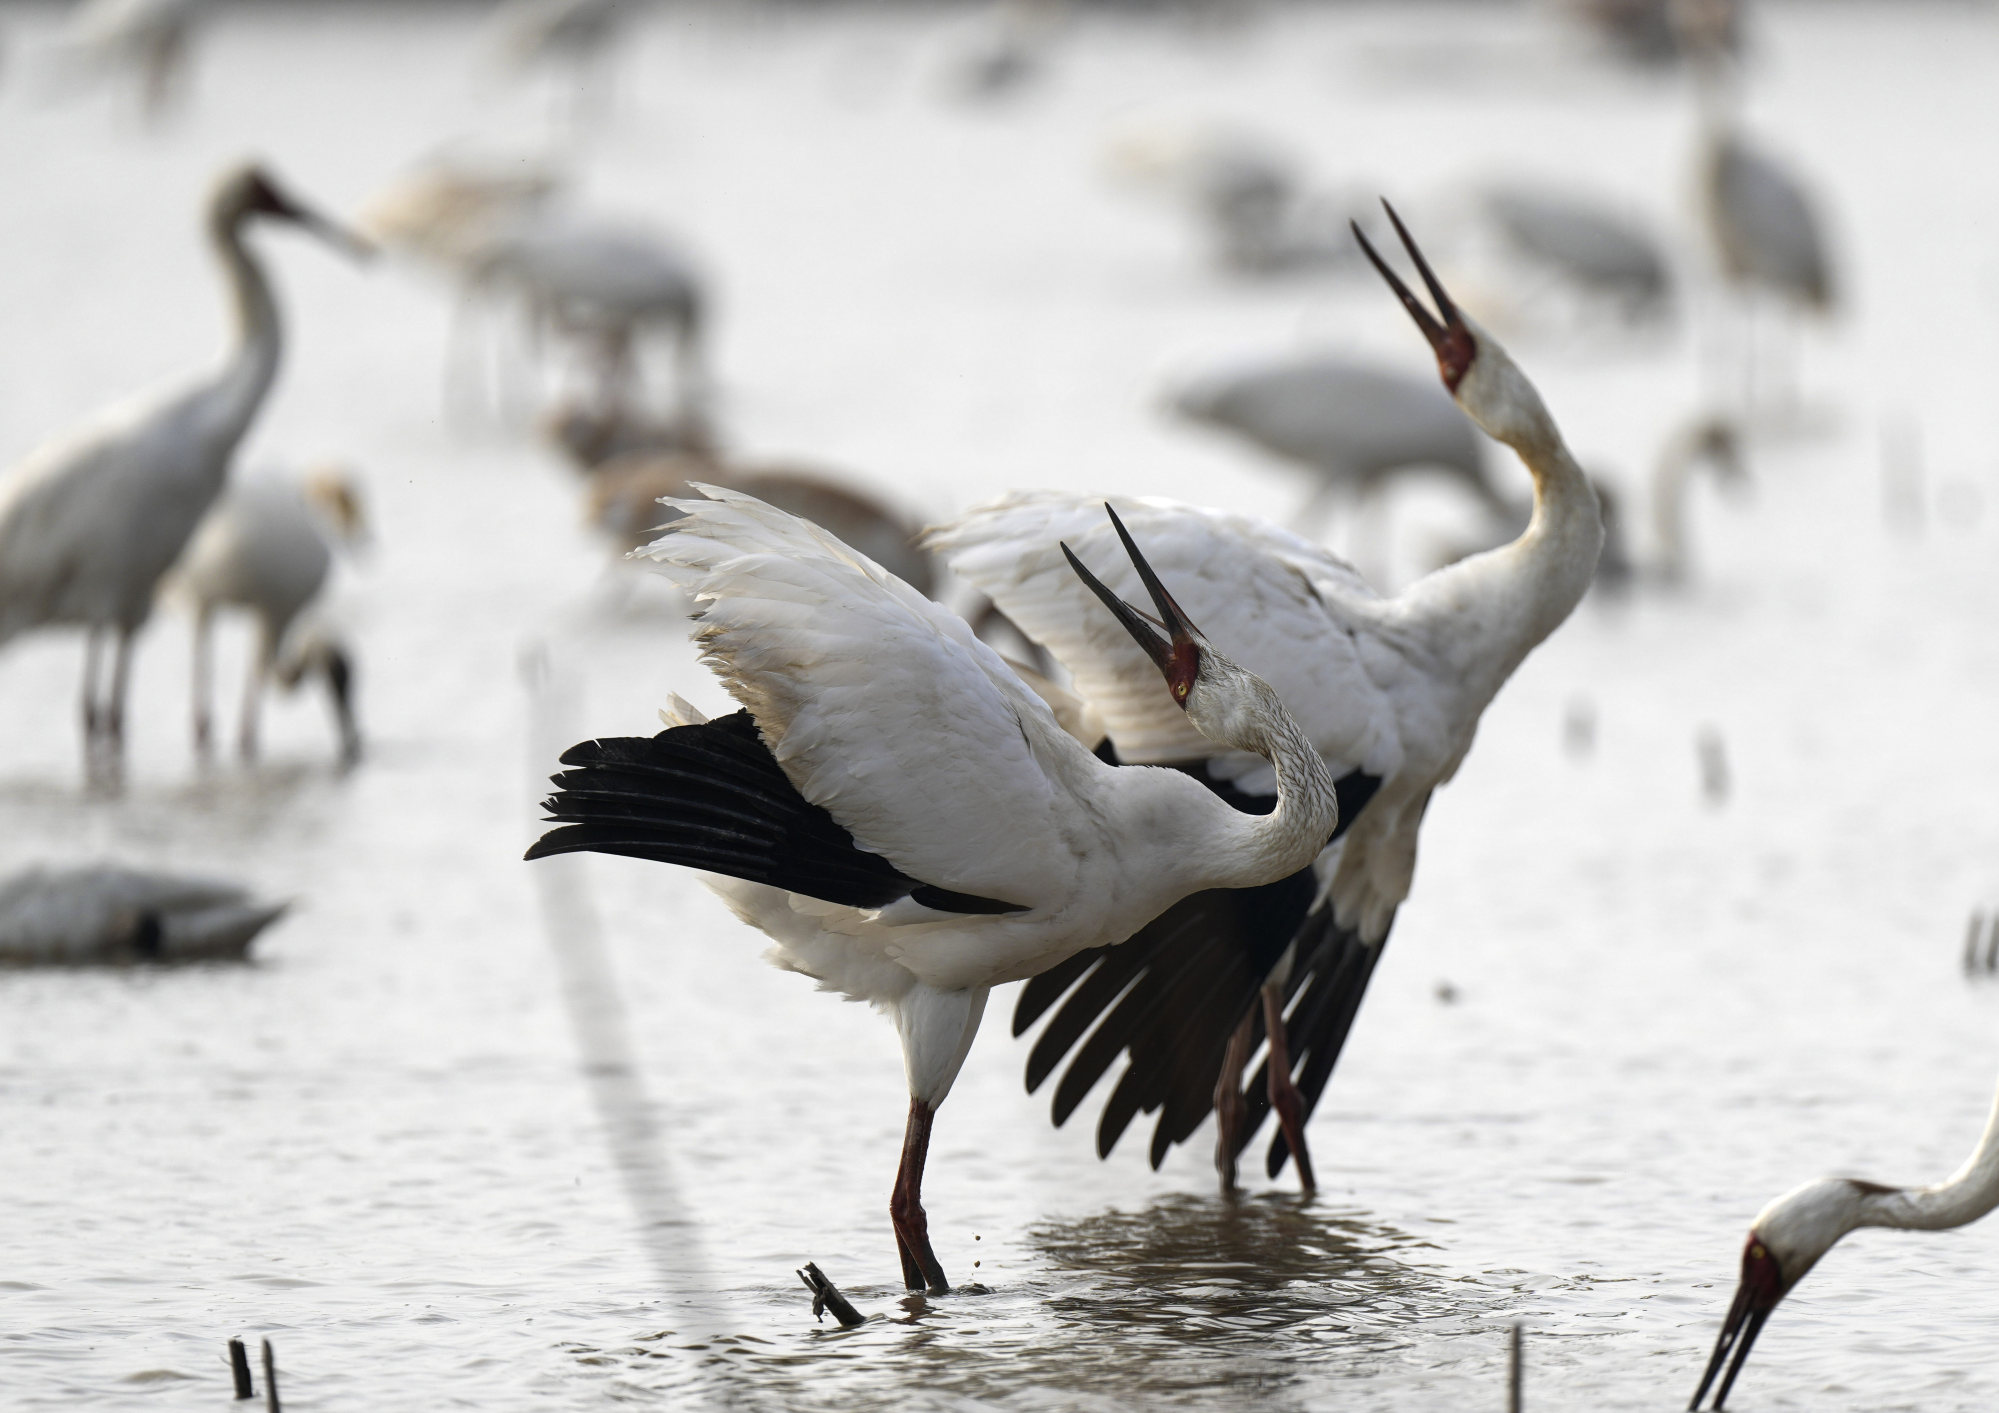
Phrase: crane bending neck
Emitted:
{"points": [[253, 366], [1964, 1196], [1256, 849]]}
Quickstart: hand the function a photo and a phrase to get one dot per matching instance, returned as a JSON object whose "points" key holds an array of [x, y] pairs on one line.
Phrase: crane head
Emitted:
{"points": [[1446, 330], [251, 190], [1172, 641], [1762, 1285]]}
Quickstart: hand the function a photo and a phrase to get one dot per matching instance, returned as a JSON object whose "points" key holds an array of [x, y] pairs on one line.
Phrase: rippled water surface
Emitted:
{"points": [[441, 1163]]}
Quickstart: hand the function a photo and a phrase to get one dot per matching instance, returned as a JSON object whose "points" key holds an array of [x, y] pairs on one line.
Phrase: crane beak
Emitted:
{"points": [[1171, 640], [274, 202], [1446, 330], [342, 238], [1756, 1295]]}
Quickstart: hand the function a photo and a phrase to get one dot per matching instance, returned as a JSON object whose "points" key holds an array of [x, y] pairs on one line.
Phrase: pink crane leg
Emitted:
{"points": [[920, 1267], [1230, 1108], [1284, 1096]]}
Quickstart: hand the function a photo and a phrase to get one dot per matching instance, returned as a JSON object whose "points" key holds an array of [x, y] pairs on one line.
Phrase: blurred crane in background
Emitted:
{"points": [[268, 547], [91, 521], [1586, 242], [149, 39], [1353, 424]]}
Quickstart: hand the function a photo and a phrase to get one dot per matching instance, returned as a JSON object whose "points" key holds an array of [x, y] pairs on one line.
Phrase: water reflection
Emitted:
{"points": [[1185, 1302]]}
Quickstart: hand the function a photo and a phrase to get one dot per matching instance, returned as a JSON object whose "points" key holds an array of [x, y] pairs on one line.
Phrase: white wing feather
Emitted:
{"points": [[881, 706], [1284, 608]]}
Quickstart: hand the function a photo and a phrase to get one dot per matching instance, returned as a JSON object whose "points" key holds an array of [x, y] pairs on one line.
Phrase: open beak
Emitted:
{"points": [[1170, 640], [1756, 1296], [1446, 329]]}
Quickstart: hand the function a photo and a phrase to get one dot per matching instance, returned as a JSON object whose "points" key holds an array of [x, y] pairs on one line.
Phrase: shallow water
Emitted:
{"points": [[437, 1161]]}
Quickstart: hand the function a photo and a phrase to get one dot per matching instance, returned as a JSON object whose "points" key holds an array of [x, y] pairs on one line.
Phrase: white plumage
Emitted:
{"points": [[967, 839], [1790, 1235], [1388, 690], [91, 521]]}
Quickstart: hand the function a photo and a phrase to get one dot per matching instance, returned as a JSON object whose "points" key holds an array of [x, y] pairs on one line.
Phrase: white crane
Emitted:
{"points": [[1353, 423], [90, 522], [101, 913], [1790, 1235], [268, 546], [1389, 691], [901, 813]]}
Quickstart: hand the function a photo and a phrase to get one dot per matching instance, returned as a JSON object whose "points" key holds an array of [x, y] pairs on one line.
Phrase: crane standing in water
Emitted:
{"points": [[89, 523], [899, 811], [1790, 1235], [1388, 690]]}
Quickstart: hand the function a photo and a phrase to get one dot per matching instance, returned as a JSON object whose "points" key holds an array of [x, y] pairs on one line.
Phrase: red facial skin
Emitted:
{"points": [[1762, 1280], [1182, 668]]}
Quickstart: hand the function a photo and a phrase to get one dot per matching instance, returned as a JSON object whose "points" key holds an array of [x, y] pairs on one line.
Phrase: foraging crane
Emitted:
{"points": [[104, 913], [89, 523], [268, 546], [1388, 690], [1355, 424], [901, 813], [1790, 1235]]}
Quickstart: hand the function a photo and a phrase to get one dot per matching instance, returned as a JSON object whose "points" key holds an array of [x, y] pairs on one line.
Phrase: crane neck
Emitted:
{"points": [[253, 364], [1964, 1196], [1484, 614], [1255, 849]]}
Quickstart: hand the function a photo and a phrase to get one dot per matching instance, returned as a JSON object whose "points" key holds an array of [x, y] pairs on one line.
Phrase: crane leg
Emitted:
{"points": [[920, 1267], [1285, 1099], [203, 676], [114, 709], [1229, 1103], [253, 691], [93, 658]]}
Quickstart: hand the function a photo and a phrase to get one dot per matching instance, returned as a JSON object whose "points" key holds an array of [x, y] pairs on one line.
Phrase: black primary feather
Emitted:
{"points": [[1170, 997], [711, 796]]}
